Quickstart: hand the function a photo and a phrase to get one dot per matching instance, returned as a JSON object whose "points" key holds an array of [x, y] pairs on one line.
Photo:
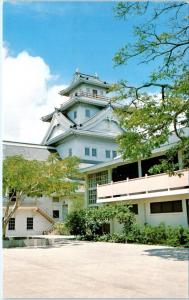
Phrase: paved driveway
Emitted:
{"points": [[87, 269]]}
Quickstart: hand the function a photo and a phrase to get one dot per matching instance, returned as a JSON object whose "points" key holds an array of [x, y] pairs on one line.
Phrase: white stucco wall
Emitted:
{"points": [[145, 216], [79, 143], [80, 109], [174, 218], [40, 224]]}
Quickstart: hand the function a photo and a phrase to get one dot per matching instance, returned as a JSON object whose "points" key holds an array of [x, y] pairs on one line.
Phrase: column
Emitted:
{"points": [[139, 168]]}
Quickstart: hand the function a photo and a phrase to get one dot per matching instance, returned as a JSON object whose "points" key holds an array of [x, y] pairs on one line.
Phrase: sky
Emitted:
{"points": [[43, 44]]}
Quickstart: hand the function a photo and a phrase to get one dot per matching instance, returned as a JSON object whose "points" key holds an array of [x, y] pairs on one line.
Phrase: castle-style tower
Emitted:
{"points": [[85, 125]]}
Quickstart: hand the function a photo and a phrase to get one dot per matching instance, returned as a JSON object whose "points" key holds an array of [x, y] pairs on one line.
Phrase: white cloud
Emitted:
{"points": [[27, 97]]}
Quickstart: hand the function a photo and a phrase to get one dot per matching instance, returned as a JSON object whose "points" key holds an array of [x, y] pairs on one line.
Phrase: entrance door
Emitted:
{"points": [[64, 211]]}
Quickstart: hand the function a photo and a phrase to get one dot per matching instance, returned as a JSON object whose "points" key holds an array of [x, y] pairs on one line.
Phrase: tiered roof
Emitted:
{"points": [[80, 78]]}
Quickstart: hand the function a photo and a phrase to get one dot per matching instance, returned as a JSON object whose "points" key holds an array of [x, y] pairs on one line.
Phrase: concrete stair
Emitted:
{"points": [[45, 215]]}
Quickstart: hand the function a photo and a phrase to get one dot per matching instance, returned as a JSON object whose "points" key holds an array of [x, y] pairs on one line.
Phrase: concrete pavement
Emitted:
{"points": [[77, 269]]}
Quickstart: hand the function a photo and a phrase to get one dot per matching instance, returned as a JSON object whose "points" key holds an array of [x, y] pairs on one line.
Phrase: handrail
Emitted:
{"points": [[139, 178], [89, 95]]}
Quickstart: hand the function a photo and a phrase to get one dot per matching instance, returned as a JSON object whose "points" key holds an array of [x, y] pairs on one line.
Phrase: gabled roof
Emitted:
{"points": [[100, 116], [70, 132], [80, 78], [58, 119], [75, 100]]}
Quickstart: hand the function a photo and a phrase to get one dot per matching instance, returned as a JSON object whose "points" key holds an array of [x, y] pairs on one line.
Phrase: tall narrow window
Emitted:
{"points": [[87, 113], [56, 214], [11, 224], [75, 114], [94, 152], [107, 153], [87, 151], [114, 154], [29, 223], [94, 93], [70, 152]]}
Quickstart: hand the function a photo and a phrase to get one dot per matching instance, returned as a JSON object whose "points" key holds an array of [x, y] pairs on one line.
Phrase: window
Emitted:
{"points": [[88, 90], [12, 224], [92, 196], [107, 153], [56, 214], [87, 151], [87, 113], [75, 114], [55, 199], [70, 152], [166, 207], [134, 208], [101, 92], [97, 178], [29, 223], [94, 152], [114, 154], [94, 93]]}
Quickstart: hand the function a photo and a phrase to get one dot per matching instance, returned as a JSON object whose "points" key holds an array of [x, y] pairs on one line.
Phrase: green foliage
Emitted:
{"points": [[151, 43], [33, 178], [177, 236], [149, 119], [75, 222], [147, 122], [77, 202], [60, 228], [89, 222], [153, 235]]}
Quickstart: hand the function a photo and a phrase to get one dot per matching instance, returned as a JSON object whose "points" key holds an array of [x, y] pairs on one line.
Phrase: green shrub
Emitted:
{"points": [[118, 238], [76, 223], [177, 236], [153, 234], [158, 235], [103, 238], [135, 235], [60, 228]]}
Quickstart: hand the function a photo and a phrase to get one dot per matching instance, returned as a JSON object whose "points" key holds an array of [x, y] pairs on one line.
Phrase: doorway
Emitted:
{"points": [[64, 211]]}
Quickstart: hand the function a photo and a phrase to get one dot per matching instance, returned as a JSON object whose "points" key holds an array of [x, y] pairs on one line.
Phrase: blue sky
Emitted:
{"points": [[68, 35], [46, 42]]}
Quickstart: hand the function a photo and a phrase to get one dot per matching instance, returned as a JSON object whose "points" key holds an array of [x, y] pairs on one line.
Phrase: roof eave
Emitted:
{"points": [[66, 91]]}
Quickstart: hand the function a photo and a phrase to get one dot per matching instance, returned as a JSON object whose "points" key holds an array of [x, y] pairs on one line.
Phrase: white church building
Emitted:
{"points": [[86, 126]]}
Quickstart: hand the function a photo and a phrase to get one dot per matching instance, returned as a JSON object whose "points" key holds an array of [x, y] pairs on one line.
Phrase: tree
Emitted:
{"points": [[34, 178], [149, 119]]}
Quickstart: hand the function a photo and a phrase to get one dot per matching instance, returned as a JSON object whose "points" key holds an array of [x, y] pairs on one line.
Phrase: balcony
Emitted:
{"points": [[89, 95], [144, 187]]}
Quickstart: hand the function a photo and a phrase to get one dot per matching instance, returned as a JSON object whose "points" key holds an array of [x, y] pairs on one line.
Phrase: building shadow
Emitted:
{"points": [[180, 254]]}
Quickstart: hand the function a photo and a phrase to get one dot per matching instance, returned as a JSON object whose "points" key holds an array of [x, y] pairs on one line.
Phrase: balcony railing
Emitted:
{"points": [[141, 187], [89, 95]]}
